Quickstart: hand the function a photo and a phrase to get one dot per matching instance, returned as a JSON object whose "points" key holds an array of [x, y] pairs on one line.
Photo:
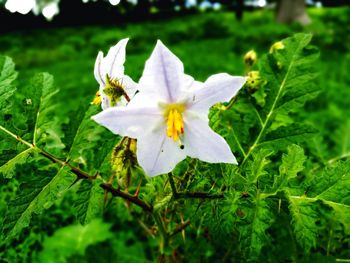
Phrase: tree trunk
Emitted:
{"points": [[289, 11]]}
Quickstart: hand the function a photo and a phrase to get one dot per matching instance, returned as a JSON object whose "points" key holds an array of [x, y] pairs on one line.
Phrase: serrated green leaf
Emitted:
{"points": [[285, 135], [290, 74], [253, 228], [256, 167], [48, 126], [8, 169], [332, 187], [304, 217], [41, 186], [89, 201], [292, 164]]}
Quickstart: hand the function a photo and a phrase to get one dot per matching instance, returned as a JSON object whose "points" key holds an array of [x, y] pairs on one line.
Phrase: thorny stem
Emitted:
{"points": [[133, 199], [81, 174]]}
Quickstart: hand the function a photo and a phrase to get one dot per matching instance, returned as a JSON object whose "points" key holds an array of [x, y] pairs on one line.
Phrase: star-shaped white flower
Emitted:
{"points": [[109, 72], [169, 115]]}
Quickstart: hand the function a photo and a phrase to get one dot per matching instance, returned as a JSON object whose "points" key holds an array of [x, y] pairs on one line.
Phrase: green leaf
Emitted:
{"points": [[304, 217], [48, 126], [7, 91], [74, 240], [8, 169], [258, 218], [332, 187], [7, 76], [89, 201], [290, 74], [283, 136], [90, 139], [292, 164], [42, 184], [256, 167]]}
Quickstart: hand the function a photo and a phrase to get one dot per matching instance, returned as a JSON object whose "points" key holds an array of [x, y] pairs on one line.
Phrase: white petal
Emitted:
{"points": [[99, 75], [203, 143], [163, 75], [131, 122], [158, 154], [105, 101], [217, 88], [129, 86], [113, 63]]}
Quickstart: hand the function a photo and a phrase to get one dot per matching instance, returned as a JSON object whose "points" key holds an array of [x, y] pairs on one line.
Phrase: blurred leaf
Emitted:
{"points": [[74, 240]]}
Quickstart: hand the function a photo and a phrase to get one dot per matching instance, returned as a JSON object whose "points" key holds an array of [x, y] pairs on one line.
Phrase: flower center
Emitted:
{"points": [[114, 90], [174, 120]]}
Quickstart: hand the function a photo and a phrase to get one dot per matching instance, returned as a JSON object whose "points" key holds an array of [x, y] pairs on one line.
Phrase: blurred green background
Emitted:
{"points": [[207, 43]]}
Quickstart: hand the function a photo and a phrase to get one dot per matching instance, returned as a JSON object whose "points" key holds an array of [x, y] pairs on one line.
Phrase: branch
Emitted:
{"points": [[133, 199], [179, 228], [81, 174]]}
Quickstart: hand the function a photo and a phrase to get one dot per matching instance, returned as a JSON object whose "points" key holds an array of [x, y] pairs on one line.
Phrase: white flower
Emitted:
{"points": [[109, 73], [169, 115]]}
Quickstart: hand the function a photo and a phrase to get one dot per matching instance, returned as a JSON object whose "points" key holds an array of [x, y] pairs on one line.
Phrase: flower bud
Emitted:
{"points": [[276, 46], [123, 162], [250, 57], [254, 81]]}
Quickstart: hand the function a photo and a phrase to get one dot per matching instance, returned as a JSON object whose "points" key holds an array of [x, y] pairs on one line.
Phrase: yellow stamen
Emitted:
{"points": [[175, 124], [97, 100]]}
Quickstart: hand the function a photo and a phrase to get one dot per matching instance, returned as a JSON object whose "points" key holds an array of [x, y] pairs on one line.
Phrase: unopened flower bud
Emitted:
{"points": [[250, 57], [123, 162], [276, 46]]}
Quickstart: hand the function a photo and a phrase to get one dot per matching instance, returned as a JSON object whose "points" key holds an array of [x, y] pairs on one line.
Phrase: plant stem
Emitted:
{"points": [[181, 227], [163, 233], [131, 198], [81, 174], [172, 184]]}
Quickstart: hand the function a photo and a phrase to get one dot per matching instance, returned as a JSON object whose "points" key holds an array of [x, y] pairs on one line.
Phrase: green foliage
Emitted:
{"points": [[284, 202], [89, 201], [39, 188], [76, 238]]}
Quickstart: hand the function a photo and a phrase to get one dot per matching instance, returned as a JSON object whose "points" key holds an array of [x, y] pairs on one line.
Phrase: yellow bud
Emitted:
{"points": [[97, 99], [276, 46], [250, 57]]}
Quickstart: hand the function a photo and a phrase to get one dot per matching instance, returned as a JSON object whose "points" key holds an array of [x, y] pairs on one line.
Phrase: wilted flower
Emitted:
{"points": [[115, 87], [169, 115]]}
